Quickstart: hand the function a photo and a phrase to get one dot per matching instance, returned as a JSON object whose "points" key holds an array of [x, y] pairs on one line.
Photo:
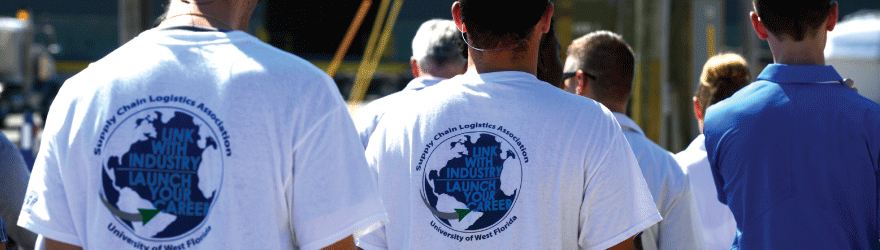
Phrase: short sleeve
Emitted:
{"points": [[374, 240], [46, 209], [617, 203], [365, 120], [334, 195]]}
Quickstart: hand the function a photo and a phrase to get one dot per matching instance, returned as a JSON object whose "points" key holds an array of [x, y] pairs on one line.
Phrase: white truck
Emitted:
{"points": [[853, 49]]}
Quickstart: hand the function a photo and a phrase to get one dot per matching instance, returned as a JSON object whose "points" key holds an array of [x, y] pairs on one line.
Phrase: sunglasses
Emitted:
{"points": [[566, 75]]}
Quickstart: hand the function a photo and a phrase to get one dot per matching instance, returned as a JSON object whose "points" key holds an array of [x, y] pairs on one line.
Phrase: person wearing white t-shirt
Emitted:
{"points": [[437, 56], [602, 66], [197, 135], [484, 160], [722, 76]]}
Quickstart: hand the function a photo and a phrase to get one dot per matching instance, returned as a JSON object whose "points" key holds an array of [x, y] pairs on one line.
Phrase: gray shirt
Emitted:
{"points": [[14, 177]]}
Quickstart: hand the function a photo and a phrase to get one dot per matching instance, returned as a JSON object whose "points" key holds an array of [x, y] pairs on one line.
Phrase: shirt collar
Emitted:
{"points": [[781, 73], [627, 124], [500, 76], [422, 82]]}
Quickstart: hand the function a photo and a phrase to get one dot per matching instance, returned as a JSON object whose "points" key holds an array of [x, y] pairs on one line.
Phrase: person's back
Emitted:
{"points": [[794, 154], [532, 177], [722, 76], [208, 139], [809, 162], [603, 67], [486, 160]]}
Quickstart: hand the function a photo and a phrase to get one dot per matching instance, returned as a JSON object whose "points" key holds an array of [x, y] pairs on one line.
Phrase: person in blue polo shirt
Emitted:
{"points": [[795, 154]]}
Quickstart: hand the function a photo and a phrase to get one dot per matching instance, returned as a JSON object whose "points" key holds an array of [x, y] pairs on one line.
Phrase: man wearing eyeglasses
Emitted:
{"points": [[600, 66]]}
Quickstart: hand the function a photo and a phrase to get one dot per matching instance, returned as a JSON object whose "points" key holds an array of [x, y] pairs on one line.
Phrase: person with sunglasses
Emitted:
{"points": [[603, 65]]}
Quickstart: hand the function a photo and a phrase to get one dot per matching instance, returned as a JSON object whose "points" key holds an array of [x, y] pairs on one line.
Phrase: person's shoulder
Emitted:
{"points": [[755, 92], [853, 99], [750, 101], [272, 58], [571, 103], [654, 154], [375, 109], [688, 159]]}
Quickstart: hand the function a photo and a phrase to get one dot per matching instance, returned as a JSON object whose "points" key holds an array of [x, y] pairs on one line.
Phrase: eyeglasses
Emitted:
{"points": [[567, 75]]}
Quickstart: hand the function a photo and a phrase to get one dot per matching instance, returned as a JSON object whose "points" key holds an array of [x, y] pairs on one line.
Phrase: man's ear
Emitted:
{"points": [[415, 66], [832, 17], [582, 84], [698, 111], [456, 16], [547, 19], [758, 25]]}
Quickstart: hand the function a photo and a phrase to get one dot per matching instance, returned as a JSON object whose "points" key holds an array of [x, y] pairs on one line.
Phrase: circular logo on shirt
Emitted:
{"points": [[162, 171], [472, 180]]}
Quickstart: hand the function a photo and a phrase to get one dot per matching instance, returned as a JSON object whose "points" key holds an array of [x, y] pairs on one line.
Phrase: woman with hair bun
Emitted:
{"points": [[722, 76]]}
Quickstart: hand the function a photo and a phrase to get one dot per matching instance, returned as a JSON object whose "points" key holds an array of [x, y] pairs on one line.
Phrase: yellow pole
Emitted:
{"points": [[710, 40], [349, 37], [373, 54], [368, 51], [386, 35]]}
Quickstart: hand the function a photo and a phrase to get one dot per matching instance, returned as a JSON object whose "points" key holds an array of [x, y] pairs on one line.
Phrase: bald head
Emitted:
{"points": [[606, 56]]}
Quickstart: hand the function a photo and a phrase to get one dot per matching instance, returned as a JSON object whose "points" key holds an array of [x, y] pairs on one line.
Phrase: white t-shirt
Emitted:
{"points": [[367, 117], [204, 140], [680, 228], [717, 222], [490, 161]]}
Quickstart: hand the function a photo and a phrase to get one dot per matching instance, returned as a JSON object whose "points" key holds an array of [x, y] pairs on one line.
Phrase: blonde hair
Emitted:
{"points": [[722, 76]]}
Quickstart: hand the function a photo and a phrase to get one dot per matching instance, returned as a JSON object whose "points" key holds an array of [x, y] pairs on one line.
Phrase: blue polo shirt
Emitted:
{"points": [[795, 157]]}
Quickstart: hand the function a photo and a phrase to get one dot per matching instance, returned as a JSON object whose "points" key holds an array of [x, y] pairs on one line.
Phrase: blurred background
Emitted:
{"points": [[44, 42]]}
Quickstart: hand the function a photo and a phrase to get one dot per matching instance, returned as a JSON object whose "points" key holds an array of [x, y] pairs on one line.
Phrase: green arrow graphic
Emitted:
{"points": [[462, 213], [148, 214]]}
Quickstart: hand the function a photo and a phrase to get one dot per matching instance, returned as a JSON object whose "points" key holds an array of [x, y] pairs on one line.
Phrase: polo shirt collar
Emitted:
{"points": [[781, 73], [627, 124]]}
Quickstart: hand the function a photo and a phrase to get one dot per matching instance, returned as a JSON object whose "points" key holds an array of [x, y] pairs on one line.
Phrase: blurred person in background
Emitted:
{"points": [[795, 154], [437, 56], [603, 66], [722, 76], [197, 135], [13, 183], [485, 160]]}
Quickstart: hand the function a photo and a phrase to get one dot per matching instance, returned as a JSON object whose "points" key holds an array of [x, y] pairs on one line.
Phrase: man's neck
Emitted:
{"points": [[215, 15], [613, 106], [512, 59], [506, 60], [810, 51]]}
